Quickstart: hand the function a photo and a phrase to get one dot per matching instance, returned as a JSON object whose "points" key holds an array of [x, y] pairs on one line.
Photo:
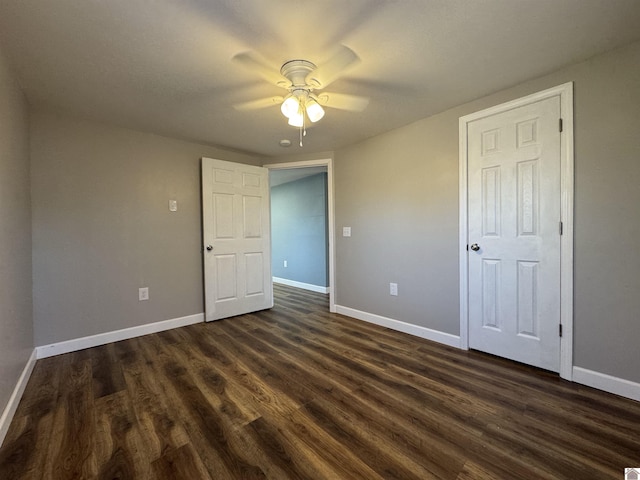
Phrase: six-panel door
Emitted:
{"points": [[236, 235], [514, 217]]}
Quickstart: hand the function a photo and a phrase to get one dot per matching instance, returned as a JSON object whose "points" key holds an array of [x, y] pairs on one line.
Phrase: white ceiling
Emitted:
{"points": [[164, 66]]}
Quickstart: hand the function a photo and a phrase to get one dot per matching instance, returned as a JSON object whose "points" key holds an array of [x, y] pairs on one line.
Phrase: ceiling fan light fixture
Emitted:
{"points": [[314, 111], [301, 78], [290, 106], [297, 119]]}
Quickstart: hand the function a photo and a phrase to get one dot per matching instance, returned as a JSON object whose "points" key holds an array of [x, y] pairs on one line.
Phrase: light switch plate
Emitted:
{"points": [[346, 231]]}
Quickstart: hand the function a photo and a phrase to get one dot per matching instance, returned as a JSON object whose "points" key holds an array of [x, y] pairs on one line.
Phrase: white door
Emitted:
{"points": [[236, 237], [514, 207]]}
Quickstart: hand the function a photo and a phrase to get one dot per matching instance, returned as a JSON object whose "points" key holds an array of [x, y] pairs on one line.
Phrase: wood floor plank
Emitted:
{"points": [[257, 361], [107, 374], [289, 454], [158, 427], [226, 397], [354, 430], [180, 463], [118, 440], [343, 461], [201, 417], [71, 452], [296, 392], [259, 394], [32, 424]]}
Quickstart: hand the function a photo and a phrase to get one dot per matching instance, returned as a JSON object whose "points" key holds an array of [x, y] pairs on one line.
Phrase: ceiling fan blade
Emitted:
{"points": [[257, 65], [333, 68], [258, 104], [341, 101]]}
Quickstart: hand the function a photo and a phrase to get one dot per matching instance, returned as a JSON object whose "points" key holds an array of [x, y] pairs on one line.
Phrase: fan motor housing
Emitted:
{"points": [[296, 71]]}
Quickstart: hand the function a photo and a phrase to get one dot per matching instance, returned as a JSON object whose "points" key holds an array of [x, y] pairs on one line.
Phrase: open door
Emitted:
{"points": [[236, 239]]}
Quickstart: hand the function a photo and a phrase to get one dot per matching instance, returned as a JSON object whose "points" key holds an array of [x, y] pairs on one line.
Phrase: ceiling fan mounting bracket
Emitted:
{"points": [[296, 72]]}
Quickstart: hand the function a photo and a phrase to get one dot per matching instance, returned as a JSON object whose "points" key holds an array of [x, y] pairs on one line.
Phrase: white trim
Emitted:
{"points": [[305, 286], [463, 237], [416, 330], [608, 383], [14, 399], [328, 162], [565, 92], [566, 240], [75, 344]]}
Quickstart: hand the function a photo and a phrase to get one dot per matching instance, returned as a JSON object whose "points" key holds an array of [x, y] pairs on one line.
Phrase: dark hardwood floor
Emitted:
{"points": [[298, 393]]}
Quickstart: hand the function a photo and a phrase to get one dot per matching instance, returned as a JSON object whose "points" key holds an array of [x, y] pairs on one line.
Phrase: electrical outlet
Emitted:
{"points": [[285, 264], [393, 289], [173, 205], [143, 293], [346, 231]]}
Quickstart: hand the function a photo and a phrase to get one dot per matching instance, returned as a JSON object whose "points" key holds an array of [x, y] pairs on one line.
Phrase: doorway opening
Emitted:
{"points": [[302, 226]]}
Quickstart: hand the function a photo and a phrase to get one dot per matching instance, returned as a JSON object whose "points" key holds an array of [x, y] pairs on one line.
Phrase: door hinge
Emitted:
{"points": [[560, 330], [560, 124], [561, 228]]}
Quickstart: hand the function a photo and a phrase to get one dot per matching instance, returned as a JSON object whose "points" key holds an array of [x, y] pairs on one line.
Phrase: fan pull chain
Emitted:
{"points": [[303, 128]]}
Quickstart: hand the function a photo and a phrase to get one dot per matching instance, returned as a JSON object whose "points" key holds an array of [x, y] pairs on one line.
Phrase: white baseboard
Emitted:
{"points": [[14, 399], [418, 331], [305, 286], [608, 383], [115, 336]]}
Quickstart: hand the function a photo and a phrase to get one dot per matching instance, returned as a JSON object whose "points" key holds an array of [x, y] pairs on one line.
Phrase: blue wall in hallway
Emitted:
{"points": [[299, 230]]}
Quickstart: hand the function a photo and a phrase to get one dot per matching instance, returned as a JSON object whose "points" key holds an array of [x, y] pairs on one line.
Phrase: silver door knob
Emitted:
{"points": [[475, 247], [209, 248]]}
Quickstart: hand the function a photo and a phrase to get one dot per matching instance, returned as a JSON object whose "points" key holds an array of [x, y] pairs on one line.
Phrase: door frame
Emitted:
{"points": [[324, 162], [565, 92]]}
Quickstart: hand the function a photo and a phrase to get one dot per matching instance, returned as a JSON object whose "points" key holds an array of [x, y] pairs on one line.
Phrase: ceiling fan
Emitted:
{"points": [[303, 80]]}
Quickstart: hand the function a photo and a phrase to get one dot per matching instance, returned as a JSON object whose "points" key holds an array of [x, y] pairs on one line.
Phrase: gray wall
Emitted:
{"points": [[102, 227], [16, 325], [299, 230], [399, 193]]}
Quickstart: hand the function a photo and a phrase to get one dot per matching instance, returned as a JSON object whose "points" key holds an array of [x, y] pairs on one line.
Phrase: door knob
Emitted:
{"points": [[209, 248], [475, 247]]}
